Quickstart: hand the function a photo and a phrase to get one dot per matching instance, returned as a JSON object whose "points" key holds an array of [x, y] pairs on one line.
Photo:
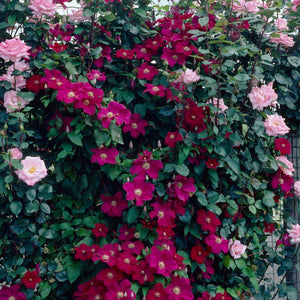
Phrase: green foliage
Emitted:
{"points": [[226, 156]]}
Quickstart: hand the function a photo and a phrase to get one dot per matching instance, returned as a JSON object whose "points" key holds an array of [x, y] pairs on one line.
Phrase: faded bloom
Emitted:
{"points": [[275, 125], [236, 248], [297, 189], [187, 77], [290, 167], [12, 102], [263, 96], [42, 7], [15, 153], [281, 24], [34, 170], [14, 50], [283, 40], [294, 234]]}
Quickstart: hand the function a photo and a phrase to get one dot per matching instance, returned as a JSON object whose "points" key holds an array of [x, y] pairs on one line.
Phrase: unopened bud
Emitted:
{"points": [[130, 145], [159, 144]]}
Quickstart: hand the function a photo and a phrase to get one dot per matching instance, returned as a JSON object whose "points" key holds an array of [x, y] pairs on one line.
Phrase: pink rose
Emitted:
{"points": [[34, 170], [283, 40], [275, 125], [12, 102], [15, 153], [187, 77], [263, 96], [220, 104], [238, 6], [236, 248], [14, 50], [290, 167], [281, 24], [294, 233], [297, 189], [42, 7], [252, 6]]}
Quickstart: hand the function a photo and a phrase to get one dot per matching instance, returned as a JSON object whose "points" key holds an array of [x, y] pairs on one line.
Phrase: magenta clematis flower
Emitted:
{"points": [[182, 187], [146, 165], [104, 156], [139, 190], [217, 244], [114, 111]]}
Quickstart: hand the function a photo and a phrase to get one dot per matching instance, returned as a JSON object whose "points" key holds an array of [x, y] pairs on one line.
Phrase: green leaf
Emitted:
{"points": [[27, 96], [116, 133], [44, 289], [292, 293], [73, 271], [140, 12], [45, 208], [45, 192], [75, 138], [234, 165], [182, 170], [16, 207], [31, 194], [213, 177], [214, 208], [71, 68], [203, 20], [11, 20], [32, 207], [252, 209], [133, 214], [201, 198], [294, 61], [89, 222]]}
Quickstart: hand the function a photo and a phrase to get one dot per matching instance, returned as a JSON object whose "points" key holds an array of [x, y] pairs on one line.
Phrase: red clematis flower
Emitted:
{"points": [[31, 279]]}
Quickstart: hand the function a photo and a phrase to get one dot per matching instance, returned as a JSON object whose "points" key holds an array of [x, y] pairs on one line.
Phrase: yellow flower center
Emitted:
{"points": [[176, 290], [138, 192], [32, 170], [146, 166]]}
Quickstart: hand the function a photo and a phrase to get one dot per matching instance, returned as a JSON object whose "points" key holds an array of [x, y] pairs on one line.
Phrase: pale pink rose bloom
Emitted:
{"points": [[34, 170], [290, 167], [239, 6], [14, 49], [77, 16], [15, 153], [297, 189], [281, 24], [236, 248], [263, 96], [20, 66], [221, 104], [17, 82], [187, 77], [296, 3], [294, 234], [12, 102], [283, 40], [42, 7], [252, 6], [275, 125]]}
